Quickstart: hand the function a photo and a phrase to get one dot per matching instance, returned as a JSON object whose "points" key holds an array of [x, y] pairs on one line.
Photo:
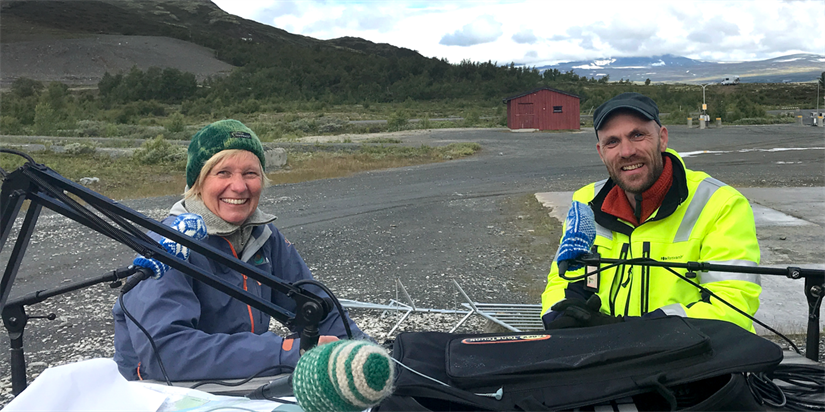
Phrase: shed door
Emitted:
{"points": [[525, 116]]}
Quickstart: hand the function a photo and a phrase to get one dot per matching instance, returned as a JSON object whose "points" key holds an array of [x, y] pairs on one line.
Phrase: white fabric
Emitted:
{"points": [[96, 385], [92, 385]]}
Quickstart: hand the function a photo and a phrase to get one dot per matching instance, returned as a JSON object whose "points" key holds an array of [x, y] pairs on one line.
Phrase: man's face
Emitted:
{"points": [[631, 147]]}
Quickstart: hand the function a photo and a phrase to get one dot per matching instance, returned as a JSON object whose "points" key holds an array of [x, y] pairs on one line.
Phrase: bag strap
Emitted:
{"points": [[657, 382], [530, 403]]}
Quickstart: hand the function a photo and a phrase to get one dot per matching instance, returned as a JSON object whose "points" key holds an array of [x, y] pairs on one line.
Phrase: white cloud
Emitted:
{"points": [[544, 32], [714, 30], [525, 37], [484, 29]]}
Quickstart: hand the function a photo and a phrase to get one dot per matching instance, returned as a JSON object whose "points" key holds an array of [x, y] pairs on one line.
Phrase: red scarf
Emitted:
{"points": [[616, 203]]}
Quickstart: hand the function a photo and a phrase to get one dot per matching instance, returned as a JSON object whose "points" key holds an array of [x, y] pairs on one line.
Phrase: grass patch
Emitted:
{"points": [[306, 166], [764, 120], [382, 140], [127, 178], [120, 178], [537, 239]]}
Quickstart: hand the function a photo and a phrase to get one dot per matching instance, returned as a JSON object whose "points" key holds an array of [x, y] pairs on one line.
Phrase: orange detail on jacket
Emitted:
{"points": [[248, 308]]}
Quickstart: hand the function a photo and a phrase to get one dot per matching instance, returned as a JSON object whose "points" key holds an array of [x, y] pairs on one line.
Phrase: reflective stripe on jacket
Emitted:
{"points": [[700, 219]]}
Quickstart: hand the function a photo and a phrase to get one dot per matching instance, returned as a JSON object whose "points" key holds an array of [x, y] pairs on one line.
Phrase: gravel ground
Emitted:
{"points": [[83, 61]]}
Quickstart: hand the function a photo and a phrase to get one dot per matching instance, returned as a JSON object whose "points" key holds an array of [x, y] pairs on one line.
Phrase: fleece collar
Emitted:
{"points": [[616, 203], [237, 235], [674, 197]]}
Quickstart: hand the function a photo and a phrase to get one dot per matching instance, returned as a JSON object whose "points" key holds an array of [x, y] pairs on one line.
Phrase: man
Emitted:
{"points": [[653, 206]]}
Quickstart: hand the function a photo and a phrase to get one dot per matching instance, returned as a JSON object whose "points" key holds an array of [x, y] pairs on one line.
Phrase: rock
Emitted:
{"points": [[275, 157], [116, 152]]}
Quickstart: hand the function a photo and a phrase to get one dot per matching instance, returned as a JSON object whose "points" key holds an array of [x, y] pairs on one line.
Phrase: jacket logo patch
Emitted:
{"points": [[240, 135], [671, 257], [504, 339], [258, 259]]}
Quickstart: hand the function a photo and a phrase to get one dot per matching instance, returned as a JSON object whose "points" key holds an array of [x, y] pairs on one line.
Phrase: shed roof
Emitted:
{"points": [[507, 99]]}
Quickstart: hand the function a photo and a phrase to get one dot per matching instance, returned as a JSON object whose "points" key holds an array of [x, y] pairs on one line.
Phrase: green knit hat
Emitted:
{"points": [[216, 137], [346, 375]]}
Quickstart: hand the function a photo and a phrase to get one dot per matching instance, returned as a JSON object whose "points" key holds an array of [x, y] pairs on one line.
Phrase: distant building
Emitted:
{"points": [[543, 109]]}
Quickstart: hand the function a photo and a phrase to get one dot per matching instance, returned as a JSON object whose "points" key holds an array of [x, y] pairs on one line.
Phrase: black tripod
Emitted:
{"points": [[45, 187], [814, 285]]}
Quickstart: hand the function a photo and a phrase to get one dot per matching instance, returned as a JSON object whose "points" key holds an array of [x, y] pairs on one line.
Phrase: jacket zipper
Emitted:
{"points": [[618, 278], [645, 298], [248, 308]]}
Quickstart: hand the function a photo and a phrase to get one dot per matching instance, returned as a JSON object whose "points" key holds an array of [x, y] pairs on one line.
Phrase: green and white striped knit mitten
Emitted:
{"points": [[346, 375]]}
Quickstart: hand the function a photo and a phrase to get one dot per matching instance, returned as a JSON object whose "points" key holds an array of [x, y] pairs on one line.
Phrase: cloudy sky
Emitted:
{"points": [[550, 31]]}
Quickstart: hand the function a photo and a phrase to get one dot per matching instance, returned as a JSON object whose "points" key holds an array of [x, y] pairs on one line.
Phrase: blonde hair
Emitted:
{"points": [[197, 187]]}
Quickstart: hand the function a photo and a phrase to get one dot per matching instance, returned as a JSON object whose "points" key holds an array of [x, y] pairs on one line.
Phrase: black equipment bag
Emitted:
{"points": [[669, 363]]}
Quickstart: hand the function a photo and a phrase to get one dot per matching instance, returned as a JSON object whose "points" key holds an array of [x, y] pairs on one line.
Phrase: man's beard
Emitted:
{"points": [[656, 170]]}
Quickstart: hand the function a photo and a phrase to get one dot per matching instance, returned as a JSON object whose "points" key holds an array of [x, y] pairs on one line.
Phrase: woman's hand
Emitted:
{"points": [[324, 339]]}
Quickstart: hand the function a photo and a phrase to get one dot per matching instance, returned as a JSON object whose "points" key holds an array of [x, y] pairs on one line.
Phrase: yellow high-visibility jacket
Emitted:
{"points": [[700, 219]]}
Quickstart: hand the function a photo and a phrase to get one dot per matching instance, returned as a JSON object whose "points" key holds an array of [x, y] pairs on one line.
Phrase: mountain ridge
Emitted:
{"points": [[669, 68], [64, 24], [77, 41]]}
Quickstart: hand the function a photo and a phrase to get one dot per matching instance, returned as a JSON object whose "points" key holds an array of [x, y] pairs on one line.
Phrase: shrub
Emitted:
{"points": [[472, 118], [80, 148], [397, 121], [90, 128], [328, 125], [676, 116], [425, 123], [175, 123], [454, 150], [25, 87], [304, 125], [763, 120], [45, 119], [159, 150], [111, 130], [10, 125]]}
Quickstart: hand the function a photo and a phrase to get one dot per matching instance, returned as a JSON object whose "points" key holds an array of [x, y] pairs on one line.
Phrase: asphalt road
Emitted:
{"points": [[424, 225]]}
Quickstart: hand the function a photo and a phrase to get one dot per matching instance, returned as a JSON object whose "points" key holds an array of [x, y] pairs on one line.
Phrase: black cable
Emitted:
{"points": [[282, 369], [148, 336], [740, 311], [19, 153], [335, 301], [766, 391], [803, 392], [698, 286], [15, 152]]}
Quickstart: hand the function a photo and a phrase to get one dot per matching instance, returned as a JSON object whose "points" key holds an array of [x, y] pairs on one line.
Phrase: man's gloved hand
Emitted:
{"points": [[576, 313]]}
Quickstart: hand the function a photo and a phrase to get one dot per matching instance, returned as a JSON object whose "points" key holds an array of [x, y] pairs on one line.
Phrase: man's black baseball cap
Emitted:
{"points": [[639, 103]]}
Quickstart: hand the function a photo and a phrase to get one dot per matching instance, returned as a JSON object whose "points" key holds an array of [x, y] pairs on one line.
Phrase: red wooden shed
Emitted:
{"points": [[543, 109]]}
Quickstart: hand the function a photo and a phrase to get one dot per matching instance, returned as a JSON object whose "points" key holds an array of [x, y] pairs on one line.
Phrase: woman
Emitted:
{"points": [[202, 333]]}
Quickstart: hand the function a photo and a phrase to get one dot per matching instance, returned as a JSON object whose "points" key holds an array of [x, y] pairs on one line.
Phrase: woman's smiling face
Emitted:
{"points": [[232, 188]]}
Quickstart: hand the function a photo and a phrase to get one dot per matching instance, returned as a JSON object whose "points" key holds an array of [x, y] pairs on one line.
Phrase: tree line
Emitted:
{"points": [[271, 78]]}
